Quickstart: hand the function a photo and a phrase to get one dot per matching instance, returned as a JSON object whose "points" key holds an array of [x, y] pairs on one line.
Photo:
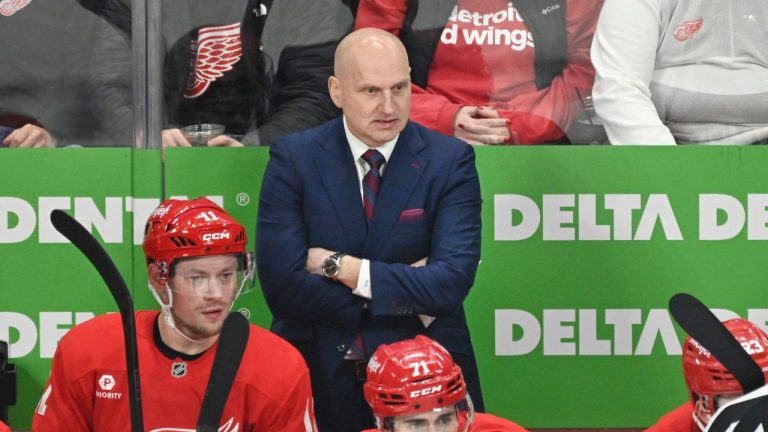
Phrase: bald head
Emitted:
{"points": [[372, 85], [365, 43]]}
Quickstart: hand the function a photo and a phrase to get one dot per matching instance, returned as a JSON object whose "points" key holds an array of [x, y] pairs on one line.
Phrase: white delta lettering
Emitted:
{"points": [[572, 332], [426, 391], [722, 217], [20, 218], [569, 217], [52, 327]]}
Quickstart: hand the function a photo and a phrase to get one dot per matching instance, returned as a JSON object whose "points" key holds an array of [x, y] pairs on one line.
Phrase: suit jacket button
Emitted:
{"points": [[341, 348]]}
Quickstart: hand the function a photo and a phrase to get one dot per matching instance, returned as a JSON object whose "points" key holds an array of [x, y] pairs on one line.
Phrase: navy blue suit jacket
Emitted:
{"points": [[428, 205]]}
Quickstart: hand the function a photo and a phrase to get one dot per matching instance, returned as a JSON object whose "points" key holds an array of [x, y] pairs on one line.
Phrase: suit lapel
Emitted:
{"points": [[401, 175], [339, 177]]}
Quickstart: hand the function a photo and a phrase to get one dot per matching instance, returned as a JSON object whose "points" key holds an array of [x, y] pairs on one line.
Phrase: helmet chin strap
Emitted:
{"points": [[166, 309], [698, 421]]}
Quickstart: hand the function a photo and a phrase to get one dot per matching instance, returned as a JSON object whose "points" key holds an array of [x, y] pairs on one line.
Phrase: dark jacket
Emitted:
{"points": [[256, 101], [425, 21]]}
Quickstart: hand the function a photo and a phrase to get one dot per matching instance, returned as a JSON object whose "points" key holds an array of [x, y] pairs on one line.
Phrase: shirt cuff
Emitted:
{"points": [[364, 280]]}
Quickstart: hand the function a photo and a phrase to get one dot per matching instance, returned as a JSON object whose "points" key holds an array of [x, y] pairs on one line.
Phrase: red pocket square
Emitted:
{"points": [[411, 215]]}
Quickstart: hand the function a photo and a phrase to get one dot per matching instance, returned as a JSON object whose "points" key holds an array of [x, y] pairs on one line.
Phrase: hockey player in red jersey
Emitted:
{"points": [[414, 385], [197, 266], [710, 385]]}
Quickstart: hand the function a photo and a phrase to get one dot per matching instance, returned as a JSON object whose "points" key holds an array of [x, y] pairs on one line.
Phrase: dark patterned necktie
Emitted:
{"points": [[371, 181]]}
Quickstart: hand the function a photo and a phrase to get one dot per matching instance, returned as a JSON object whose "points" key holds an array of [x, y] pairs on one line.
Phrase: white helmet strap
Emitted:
{"points": [[166, 310]]}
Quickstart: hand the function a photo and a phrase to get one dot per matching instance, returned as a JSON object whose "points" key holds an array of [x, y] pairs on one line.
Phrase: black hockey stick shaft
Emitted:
{"points": [[83, 240], [229, 353], [701, 324]]}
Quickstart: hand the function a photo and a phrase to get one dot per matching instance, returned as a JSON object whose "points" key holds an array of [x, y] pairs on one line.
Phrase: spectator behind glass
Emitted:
{"points": [[682, 71], [219, 70], [44, 74], [493, 72]]}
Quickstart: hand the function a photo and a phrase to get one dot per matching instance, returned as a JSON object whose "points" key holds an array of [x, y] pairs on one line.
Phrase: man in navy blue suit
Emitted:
{"points": [[368, 231]]}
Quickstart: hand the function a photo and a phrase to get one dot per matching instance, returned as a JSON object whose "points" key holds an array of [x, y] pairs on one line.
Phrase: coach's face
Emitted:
{"points": [[372, 85]]}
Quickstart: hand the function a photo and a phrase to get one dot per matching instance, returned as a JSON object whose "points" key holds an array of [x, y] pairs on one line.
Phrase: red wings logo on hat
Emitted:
{"points": [[687, 29], [215, 52], [10, 7]]}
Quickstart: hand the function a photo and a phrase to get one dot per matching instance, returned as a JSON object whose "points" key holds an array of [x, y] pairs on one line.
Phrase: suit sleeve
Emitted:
{"points": [[440, 287], [65, 404], [290, 290], [624, 55]]}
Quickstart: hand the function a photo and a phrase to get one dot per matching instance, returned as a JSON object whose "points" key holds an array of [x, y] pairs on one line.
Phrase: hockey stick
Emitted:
{"points": [[229, 353], [701, 324], [83, 240]]}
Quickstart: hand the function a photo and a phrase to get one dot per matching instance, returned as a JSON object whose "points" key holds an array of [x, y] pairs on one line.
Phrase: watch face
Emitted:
{"points": [[330, 267]]}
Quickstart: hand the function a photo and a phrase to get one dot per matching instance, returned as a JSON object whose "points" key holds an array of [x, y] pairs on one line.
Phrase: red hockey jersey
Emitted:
{"points": [[678, 420], [88, 387]]}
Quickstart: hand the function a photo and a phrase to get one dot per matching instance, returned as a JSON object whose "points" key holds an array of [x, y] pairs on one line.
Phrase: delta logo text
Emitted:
{"points": [[594, 332]]}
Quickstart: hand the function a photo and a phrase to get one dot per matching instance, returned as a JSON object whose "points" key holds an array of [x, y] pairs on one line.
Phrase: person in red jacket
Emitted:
{"points": [[414, 385], [710, 385], [494, 71]]}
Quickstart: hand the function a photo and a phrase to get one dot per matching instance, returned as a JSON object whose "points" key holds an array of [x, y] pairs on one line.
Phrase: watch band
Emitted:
{"points": [[333, 261]]}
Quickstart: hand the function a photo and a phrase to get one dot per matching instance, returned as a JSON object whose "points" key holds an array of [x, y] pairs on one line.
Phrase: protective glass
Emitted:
{"points": [[226, 284]]}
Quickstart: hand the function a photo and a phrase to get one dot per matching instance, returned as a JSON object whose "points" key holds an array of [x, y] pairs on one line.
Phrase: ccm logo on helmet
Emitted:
{"points": [[208, 237], [426, 391]]}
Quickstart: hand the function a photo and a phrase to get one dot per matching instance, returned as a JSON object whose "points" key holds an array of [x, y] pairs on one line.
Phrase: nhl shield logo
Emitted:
{"points": [[179, 369]]}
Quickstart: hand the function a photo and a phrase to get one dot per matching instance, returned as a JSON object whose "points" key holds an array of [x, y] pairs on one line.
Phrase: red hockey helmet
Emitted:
{"points": [[709, 382], [191, 228], [414, 376]]}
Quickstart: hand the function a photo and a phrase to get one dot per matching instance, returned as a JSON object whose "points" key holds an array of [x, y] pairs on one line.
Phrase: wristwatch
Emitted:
{"points": [[332, 265]]}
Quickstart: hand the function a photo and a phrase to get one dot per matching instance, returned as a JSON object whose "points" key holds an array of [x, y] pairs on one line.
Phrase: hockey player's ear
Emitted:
{"points": [[156, 278]]}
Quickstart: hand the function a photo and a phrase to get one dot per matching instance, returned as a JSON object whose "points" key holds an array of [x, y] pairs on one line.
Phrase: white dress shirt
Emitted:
{"points": [[358, 148]]}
